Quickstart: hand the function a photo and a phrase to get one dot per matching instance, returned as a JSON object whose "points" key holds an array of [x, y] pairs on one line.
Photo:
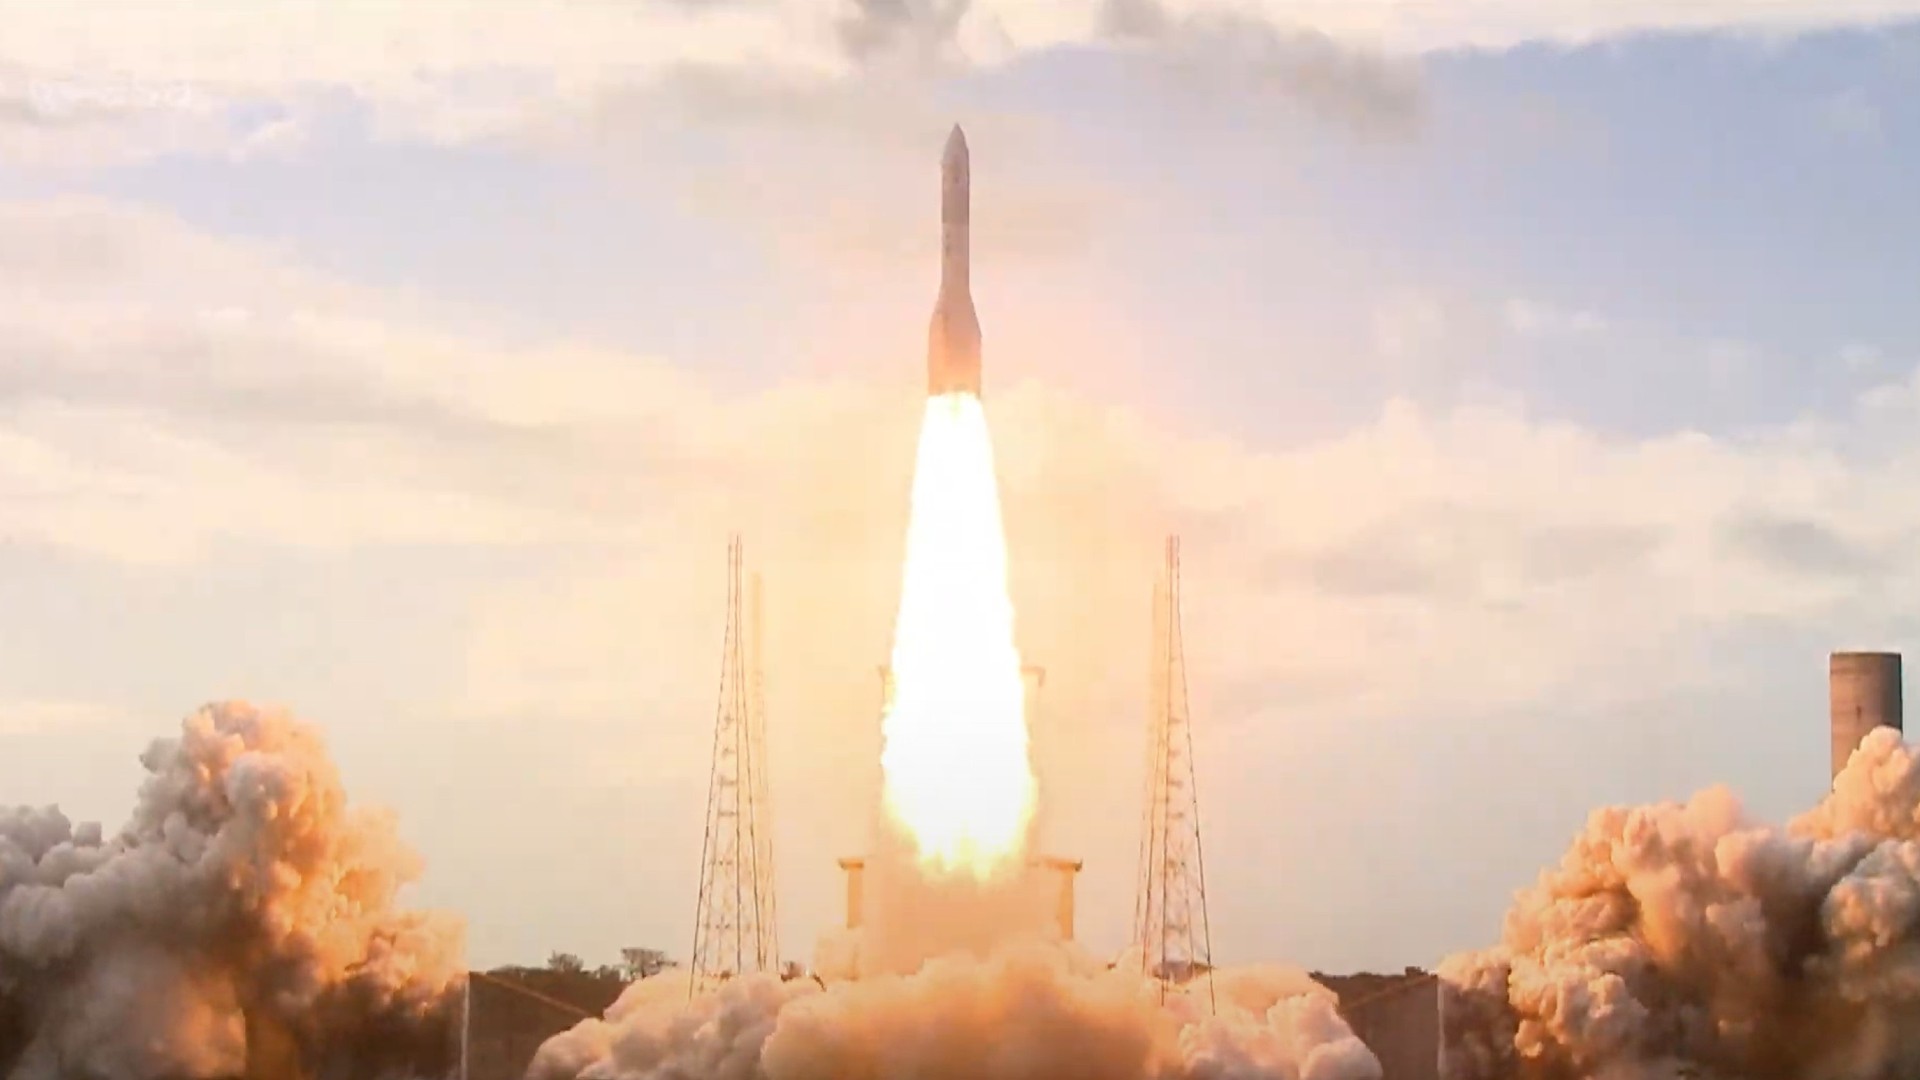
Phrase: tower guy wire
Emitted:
{"points": [[733, 930], [1170, 909]]}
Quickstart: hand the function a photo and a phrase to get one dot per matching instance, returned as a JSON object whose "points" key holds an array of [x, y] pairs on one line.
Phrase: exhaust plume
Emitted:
{"points": [[1682, 940], [948, 870], [957, 778], [243, 922]]}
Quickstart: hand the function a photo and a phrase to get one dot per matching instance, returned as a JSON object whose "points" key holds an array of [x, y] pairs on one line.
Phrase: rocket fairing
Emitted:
{"points": [[953, 341]]}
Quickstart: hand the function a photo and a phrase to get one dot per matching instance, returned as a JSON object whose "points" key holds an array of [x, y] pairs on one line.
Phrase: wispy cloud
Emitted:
{"points": [[316, 414], [111, 76], [1803, 546], [1239, 49], [919, 32], [1532, 319]]}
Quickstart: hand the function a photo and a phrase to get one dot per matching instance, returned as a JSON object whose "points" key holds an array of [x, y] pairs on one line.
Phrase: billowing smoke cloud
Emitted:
{"points": [[1030, 1011], [243, 922], [1682, 940]]}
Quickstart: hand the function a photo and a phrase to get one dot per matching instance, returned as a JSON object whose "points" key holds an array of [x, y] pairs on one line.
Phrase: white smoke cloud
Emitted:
{"points": [[1028, 1011], [245, 911], [1682, 939]]}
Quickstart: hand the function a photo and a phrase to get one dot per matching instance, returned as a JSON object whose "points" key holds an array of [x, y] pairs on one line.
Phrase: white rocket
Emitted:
{"points": [[953, 341]]}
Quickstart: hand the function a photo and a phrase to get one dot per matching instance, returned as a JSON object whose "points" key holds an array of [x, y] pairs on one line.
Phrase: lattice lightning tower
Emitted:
{"points": [[733, 930], [1170, 912]]}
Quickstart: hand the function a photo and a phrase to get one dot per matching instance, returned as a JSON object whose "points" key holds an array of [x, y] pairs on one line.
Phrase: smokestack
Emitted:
{"points": [[1863, 693]]}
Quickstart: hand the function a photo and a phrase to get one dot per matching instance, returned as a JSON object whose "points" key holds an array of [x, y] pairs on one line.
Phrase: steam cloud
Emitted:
{"points": [[1031, 1010], [1681, 940], [243, 922], [1673, 940]]}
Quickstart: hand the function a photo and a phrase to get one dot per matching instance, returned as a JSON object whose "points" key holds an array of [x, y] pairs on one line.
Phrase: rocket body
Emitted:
{"points": [[953, 339]]}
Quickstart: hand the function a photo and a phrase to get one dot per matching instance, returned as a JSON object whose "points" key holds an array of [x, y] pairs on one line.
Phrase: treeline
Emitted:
{"points": [[566, 977]]}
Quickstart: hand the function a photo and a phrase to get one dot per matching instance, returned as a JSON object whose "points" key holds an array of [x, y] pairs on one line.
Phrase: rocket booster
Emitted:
{"points": [[953, 340]]}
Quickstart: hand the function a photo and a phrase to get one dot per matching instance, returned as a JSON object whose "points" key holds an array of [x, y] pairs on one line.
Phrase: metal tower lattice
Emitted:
{"points": [[733, 930], [1170, 911]]}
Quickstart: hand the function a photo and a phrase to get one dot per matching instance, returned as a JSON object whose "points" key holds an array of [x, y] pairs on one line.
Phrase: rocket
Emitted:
{"points": [[953, 340]]}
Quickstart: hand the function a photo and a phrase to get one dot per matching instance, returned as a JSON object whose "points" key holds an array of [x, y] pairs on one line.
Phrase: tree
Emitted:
{"points": [[565, 978], [640, 963]]}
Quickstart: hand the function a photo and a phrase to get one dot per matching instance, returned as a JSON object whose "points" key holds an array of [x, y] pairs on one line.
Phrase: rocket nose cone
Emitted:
{"points": [[956, 146]]}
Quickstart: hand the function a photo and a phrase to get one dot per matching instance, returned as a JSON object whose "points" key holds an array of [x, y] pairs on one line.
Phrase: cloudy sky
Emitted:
{"points": [[1534, 385]]}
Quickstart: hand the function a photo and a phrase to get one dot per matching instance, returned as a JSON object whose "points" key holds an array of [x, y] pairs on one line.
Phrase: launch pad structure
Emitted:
{"points": [[1170, 911], [735, 922], [1063, 871]]}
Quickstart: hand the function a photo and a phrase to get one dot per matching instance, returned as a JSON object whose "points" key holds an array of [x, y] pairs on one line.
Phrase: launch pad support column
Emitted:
{"points": [[856, 869], [1863, 693]]}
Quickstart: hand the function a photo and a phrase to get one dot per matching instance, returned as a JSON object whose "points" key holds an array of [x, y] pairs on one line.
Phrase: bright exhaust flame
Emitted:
{"points": [[956, 773]]}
